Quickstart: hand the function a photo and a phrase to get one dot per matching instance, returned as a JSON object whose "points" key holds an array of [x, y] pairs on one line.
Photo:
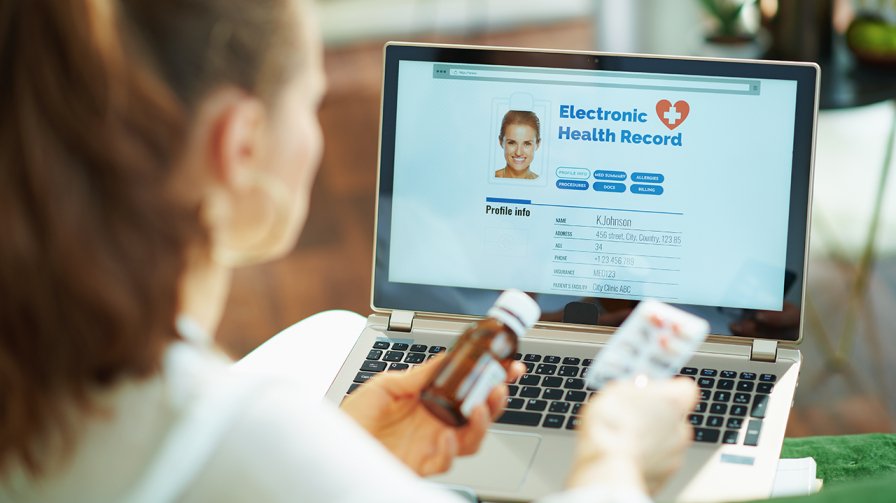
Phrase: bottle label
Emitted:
{"points": [[485, 375]]}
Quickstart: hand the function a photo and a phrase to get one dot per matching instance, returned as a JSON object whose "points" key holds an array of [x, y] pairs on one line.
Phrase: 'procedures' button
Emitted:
{"points": [[647, 189], [602, 174], [572, 184], [648, 177], [608, 187]]}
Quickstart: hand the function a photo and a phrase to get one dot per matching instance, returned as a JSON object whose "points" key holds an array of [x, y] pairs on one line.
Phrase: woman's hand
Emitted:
{"points": [[634, 436], [389, 408]]}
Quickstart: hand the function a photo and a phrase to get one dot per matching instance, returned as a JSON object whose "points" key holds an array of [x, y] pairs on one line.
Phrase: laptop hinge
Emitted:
{"points": [[764, 351], [401, 321]]}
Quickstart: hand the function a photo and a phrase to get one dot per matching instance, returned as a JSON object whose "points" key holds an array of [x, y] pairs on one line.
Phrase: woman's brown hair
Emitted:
{"points": [[523, 117], [96, 100]]}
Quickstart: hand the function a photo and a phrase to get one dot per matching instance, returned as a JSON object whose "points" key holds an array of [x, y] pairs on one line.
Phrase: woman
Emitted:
{"points": [[146, 149], [520, 137]]}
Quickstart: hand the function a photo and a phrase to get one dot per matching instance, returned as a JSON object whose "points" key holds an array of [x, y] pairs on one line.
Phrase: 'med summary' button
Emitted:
{"points": [[648, 177], [602, 174], [572, 184], [608, 187], [647, 189]]}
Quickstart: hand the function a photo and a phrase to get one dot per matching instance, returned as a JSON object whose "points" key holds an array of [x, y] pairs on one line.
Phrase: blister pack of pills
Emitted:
{"points": [[655, 341]]}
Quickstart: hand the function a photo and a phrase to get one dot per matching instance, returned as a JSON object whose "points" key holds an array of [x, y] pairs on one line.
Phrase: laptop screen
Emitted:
{"points": [[592, 182]]}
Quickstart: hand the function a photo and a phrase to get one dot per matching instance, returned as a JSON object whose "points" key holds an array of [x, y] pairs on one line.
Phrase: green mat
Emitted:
{"points": [[855, 468]]}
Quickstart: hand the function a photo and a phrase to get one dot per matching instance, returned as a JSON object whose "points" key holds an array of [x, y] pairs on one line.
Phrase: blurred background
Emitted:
{"points": [[848, 383]]}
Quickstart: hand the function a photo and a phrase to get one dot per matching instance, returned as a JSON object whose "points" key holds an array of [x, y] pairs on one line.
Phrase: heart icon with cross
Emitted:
{"points": [[672, 115]]}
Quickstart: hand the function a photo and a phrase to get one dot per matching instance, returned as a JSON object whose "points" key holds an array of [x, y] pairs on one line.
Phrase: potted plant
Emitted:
{"points": [[730, 34]]}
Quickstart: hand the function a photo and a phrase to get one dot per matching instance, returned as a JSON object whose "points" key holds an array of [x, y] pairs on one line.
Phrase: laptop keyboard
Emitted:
{"points": [[552, 392]]}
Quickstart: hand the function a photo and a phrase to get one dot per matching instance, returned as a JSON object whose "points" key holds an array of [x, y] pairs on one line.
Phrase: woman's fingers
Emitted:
{"points": [[472, 433]]}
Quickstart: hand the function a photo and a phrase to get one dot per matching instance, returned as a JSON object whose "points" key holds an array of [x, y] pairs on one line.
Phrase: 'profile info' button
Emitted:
{"points": [[647, 189], [572, 184]]}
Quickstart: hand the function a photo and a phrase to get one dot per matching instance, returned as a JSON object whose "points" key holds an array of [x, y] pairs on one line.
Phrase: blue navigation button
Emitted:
{"points": [[648, 177], [602, 174], [647, 189], [608, 187], [572, 184]]}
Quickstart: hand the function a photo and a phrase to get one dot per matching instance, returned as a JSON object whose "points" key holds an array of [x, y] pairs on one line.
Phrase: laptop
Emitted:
{"points": [[592, 181]]}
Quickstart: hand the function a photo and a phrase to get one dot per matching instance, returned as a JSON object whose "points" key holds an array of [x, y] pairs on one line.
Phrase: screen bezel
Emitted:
{"points": [[388, 296]]}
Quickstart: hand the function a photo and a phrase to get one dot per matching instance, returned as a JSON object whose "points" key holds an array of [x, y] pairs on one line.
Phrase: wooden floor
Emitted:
{"points": [[330, 267]]}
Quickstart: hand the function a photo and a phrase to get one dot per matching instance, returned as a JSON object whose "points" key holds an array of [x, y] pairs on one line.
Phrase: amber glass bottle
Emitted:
{"points": [[479, 359]]}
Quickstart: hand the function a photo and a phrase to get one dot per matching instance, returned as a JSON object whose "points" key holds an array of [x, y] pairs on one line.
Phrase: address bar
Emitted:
{"points": [[499, 74]]}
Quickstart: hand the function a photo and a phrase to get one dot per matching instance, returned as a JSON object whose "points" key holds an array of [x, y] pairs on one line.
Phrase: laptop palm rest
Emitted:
{"points": [[501, 464]]}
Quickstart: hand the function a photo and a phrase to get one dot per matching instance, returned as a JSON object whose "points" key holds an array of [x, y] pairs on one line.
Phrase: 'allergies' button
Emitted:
{"points": [[648, 177], [647, 189], [572, 184]]}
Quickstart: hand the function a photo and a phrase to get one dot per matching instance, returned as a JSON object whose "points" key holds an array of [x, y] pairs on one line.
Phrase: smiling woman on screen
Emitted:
{"points": [[520, 137]]}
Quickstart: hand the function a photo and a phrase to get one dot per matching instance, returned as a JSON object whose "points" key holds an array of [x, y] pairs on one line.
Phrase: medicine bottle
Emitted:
{"points": [[479, 359]]}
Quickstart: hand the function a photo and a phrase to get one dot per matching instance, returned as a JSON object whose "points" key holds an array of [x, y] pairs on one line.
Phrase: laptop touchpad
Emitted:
{"points": [[501, 463]]}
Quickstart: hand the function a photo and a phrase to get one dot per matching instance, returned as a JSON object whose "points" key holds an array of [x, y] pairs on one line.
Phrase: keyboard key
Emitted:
{"points": [[575, 396], [584, 372], [706, 382], [718, 408], [512, 390], [372, 366], [538, 405], [568, 371], [726, 384], [530, 380], [544, 369], [760, 403], [352, 387], [517, 356], [745, 386], [768, 378], [552, 394], [700, 407], [748, 376], [532, 358], [380, 345], [709, 372], [706, 435], [553, 421], [552, 359], [515, 403], [734, 423], [730, 437], [393, 356], [576, 408], [399, 366], [530, 392], [436, 349], [559, 407], [739, 410], [754, 427], [419, 348], [571, 360], [586, 362], [429, 356], [552, 382], [374, 354], [705, 394], [728, 374], [695, 419], [721, 396], [415, 358], [572, 423], [764, 387], [574, 383], [688, 371], [530, 367], [400, 346], [521, 418], [362, 377], [715, 421], [742, 398]]}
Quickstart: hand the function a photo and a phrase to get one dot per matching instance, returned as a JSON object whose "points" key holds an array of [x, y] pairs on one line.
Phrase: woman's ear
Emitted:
{"points": [[234, 144]]}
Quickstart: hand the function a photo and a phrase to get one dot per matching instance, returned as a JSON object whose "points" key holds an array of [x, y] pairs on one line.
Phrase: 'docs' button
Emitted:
{"points": [[648, 177], [608, 187], [647, 189], [572, 184]]}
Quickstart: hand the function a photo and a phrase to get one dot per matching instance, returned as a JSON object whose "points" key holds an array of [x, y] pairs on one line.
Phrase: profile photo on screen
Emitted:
{"points": [[519, 137]]}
